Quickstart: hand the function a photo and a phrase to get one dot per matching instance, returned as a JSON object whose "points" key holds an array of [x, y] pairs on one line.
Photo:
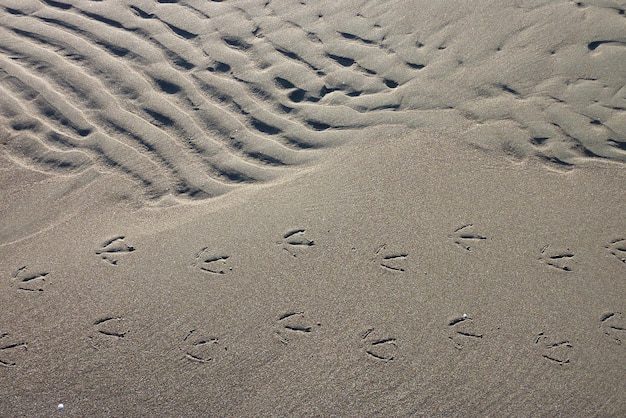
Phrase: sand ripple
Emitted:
{"points": [[193, 98]]}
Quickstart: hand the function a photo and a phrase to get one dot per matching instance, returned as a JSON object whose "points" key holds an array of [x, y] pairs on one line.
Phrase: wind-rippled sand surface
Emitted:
{"points": [[194, 97], [312, 207]]}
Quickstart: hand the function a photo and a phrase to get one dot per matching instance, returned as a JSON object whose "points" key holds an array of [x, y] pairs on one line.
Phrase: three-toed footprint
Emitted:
{"points": [[293, 324], [10, 350], [112, 248], [617, 247], [462, 330], [377, 347], [466, 238], [30, 282], [613, 325], [200, 347], [557, 351], [390, 261], [107, 330], [561, 259], [295, 240], [211, 262]]}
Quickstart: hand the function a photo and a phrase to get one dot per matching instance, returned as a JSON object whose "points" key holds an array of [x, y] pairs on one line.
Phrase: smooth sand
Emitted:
{"points": [[333, 208]]}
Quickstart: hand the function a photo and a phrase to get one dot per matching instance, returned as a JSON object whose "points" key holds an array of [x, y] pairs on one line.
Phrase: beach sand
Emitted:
{"points": [[315, 208]]}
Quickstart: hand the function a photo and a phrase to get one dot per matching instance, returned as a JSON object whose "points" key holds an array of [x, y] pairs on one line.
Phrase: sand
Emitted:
{"points": [[312, 208]]}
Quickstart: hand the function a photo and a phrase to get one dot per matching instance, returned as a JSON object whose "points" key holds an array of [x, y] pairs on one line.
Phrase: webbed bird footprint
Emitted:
{"points": [[114, 247], [10, 350], [462, 329], [209, 262], [381, 349], [614, 326], [292, 324], [389, 260], [466, 238], [559, 259], [295, 240], [31, 282], [554, 350]]}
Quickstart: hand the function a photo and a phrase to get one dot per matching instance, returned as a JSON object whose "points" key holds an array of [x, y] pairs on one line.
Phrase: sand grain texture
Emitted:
{"points": [[312, 208]]}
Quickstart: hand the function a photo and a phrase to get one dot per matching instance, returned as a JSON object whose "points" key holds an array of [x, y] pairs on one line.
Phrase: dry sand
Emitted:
{"points": [[312, 208]]}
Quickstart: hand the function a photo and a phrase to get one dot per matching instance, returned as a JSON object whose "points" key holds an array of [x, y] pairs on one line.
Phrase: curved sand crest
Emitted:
{"points": [[194, 98]]}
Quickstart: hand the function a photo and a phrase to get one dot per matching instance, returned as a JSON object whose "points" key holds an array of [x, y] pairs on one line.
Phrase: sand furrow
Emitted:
{"points": [[49, 102], [225, 166], [240, 79], [193, 177], [27, 148], [171, 82], [168, 81]]}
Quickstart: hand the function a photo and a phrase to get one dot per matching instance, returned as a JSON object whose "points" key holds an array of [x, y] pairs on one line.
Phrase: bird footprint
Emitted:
{"points": [[390, 261], [556, 351], [381, 349], [200, 349], [9, 350], [466, 238], [614, 326], [30, 282], [114, 247], [295, 240], [292, 324], [559, 259], [462, 329], [617, 247], [107, 331], [211, 263]]}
